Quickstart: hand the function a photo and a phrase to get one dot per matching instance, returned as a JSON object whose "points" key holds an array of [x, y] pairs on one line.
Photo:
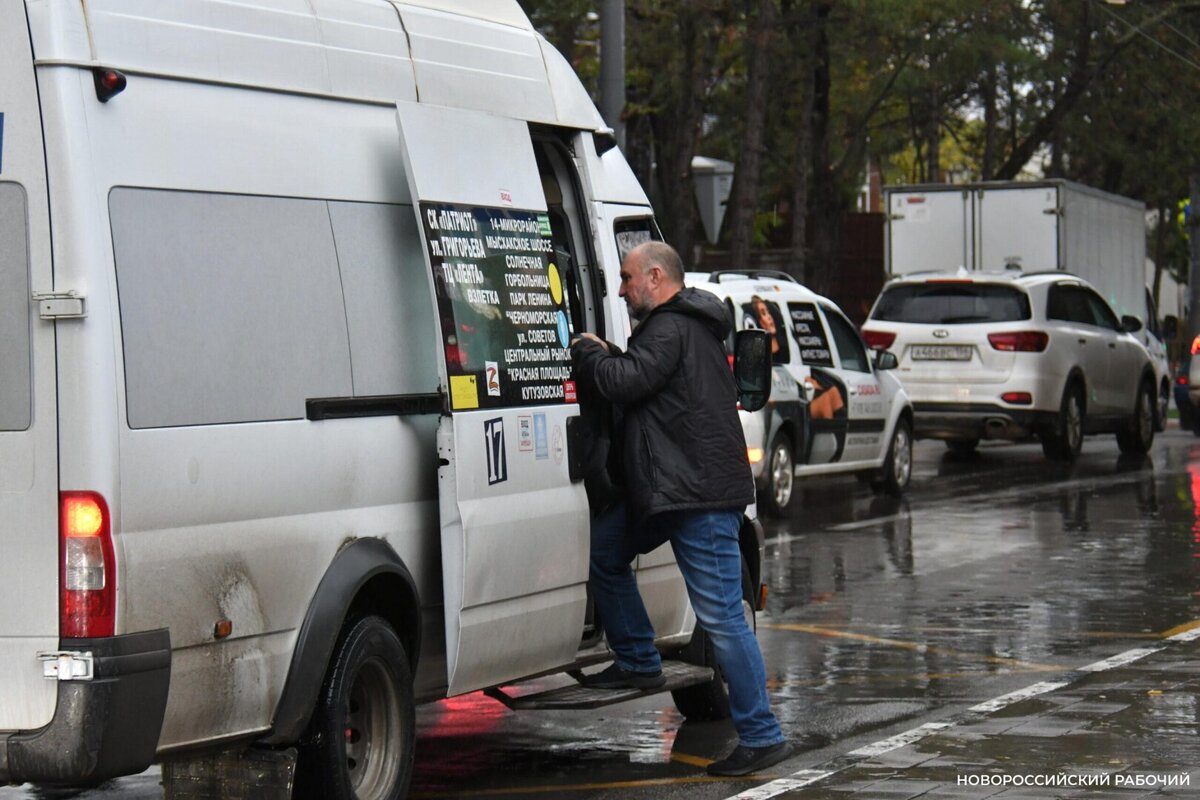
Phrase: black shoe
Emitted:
{"points": [[617, 678], [744, 760]]}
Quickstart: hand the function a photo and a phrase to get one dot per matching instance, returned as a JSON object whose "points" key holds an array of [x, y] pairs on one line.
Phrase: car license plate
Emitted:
{"points": [[940, 352]]}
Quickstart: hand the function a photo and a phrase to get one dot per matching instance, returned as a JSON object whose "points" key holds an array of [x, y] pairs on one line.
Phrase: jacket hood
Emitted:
{"points": [[704, 306]]}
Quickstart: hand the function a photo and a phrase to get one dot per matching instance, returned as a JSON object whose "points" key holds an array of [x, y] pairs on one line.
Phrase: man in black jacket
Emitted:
{"points": [[687, 481]]}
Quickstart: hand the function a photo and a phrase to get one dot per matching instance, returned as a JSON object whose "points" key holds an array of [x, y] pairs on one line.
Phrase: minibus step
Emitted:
{"points": [[677, 673]]}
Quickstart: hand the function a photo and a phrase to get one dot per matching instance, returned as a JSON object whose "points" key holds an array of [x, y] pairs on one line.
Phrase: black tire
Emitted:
{"points": [[1162, 407], [1065, 440], [781, 476], [962, 447], [362, 737], [896, 471], [1139, 435], [708, 702]]}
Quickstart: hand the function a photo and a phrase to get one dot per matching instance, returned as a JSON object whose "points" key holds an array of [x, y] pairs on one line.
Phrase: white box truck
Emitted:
{"points": [[1031, 226], [286, 289]]}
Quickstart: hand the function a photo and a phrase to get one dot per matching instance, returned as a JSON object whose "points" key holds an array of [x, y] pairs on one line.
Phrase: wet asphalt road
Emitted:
{"points": [[996, 571]]}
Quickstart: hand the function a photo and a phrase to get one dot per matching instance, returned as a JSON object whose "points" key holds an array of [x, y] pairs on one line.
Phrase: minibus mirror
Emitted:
{"points": [[886, 359], [1131, 324], [752, 368]]}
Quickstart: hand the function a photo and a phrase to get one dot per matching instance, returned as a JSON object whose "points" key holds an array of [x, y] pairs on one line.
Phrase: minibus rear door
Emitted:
{"points": [[514, 527]]}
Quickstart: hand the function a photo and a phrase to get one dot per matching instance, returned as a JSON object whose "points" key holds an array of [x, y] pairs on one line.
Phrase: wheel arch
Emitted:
{"points": [[751, 541], [1076, 378], [365, 577]]}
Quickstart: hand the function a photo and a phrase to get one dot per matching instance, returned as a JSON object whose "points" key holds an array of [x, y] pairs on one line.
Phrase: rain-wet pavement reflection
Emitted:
{"points": [[997, 571]]}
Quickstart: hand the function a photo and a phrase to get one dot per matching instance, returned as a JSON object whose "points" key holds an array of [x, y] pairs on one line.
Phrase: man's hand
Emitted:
{"points": [[593, 337]]}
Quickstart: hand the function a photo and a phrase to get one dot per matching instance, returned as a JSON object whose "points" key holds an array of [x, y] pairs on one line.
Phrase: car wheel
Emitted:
{"points": [[1139, 436], [897, 467], [362, 737], [707, 702], [962, 447], [1064, 442], [781, 475]]}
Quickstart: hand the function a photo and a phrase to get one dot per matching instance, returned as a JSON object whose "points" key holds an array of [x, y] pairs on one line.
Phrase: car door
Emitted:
{"points": [[1068, 306], [28, 415], [514, 527], [1126, 357], [865, 405], [813, 367]]}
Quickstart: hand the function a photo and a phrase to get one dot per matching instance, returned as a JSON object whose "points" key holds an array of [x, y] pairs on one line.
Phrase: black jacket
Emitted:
{"points": [[683, 443]]}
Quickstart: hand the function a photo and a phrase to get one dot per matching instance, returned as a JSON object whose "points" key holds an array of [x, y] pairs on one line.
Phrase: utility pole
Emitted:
{"points": [[612, 66], [1193, 230]]}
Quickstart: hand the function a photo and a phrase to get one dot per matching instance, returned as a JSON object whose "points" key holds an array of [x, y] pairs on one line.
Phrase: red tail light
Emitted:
{"points": [[88, 580], [1182, 380], [1196, 345], [878, 340], [1020, 341], [1017, 398]]}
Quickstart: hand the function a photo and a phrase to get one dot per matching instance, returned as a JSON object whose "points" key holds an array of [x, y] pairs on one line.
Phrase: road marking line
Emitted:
{"points": [[899, 740], [1015, 697], [1121, 659], [1183, 633], [868, 523], [797, 780], [806, 777], [818, 630], [692, 761]]}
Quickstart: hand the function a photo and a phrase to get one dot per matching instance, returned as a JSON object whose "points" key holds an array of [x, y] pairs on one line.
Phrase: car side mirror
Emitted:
{"points": [[752, 368], [1131, 324], [886, 359], [1170, 326]]}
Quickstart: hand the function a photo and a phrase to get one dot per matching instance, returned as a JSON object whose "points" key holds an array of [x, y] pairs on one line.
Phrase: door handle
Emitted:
{"points": [[1112, 345], [1083, 341]]}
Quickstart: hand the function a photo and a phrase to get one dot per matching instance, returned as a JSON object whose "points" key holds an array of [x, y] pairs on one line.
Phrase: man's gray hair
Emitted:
{"points": [[663, 255]]}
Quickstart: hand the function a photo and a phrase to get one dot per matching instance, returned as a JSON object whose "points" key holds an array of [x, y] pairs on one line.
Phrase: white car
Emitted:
{"points": [[1011, 355], [833, 409]]}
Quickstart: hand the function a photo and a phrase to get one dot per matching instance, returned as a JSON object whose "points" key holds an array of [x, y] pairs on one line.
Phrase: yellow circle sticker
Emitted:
{"points": [[555, 285]]}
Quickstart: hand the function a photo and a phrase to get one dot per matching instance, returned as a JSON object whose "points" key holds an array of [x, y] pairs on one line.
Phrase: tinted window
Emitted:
{"points": [[1071, 303], [810, 335], [951, 303], [1102, 313], [849, 345], [231, 307], [15, 392]]}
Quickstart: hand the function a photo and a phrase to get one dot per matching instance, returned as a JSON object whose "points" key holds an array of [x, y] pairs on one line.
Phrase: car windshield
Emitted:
{"points": [[951, 303]]}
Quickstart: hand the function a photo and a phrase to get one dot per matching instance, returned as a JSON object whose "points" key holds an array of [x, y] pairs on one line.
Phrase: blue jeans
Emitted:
{"points": [[706, 549]]}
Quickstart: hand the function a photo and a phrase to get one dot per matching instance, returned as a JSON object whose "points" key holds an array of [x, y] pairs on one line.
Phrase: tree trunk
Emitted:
{"points": [[744, 196], [677, 130], [826, 208], [988, 92], [933, 136]]}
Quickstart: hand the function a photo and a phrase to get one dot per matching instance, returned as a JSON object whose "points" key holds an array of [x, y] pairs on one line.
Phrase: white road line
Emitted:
{"points": [[796, 780], [1186, 636], [899, 740], [806, 777], [1017, 696], [1120, 659]]}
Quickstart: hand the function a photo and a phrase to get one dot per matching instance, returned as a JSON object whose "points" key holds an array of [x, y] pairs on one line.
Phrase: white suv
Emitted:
{"points": [[833, 409], [1012, 355]]}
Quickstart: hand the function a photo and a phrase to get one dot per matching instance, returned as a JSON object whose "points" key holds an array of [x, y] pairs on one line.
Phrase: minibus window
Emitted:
{"points": [[15, 388]]}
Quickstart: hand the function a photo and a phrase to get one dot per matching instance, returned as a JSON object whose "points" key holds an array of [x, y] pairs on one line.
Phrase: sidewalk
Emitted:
{"points": [[1126, 727]]}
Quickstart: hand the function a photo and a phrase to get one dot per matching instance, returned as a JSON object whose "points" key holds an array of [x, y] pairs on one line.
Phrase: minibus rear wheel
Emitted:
{"points": [[362, 738]]}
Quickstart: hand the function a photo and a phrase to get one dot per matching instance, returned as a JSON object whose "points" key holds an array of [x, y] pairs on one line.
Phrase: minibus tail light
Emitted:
{"points": [[87, 581]]}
